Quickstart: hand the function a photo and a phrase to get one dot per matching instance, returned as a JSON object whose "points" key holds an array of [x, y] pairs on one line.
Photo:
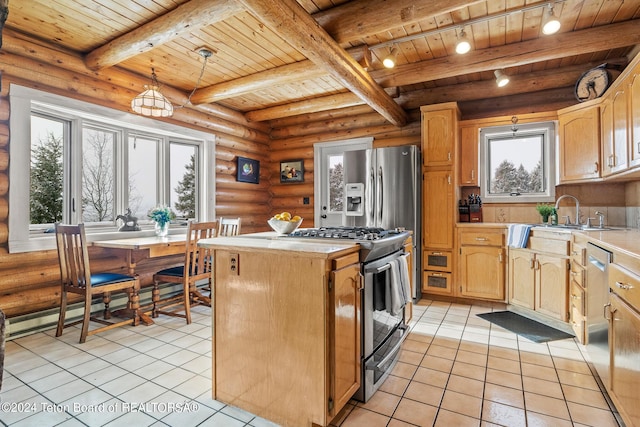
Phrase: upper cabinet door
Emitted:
{"points": [[579, 132], [614, 121], [438, 137], [634, 118], [469, 141]]}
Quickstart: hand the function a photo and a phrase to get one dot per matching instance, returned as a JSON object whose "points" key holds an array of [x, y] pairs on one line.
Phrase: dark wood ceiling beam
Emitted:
{"points": [[357, 19], [294, 24], [520, 84], [546, 48], [183, 19]]}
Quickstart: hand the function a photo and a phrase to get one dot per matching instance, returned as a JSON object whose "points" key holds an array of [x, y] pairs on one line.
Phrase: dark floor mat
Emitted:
{"points": [[530, 329]]}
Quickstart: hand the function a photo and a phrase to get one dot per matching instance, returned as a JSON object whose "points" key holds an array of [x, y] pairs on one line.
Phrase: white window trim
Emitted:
{"points": [[549, 128], [20, 155]]}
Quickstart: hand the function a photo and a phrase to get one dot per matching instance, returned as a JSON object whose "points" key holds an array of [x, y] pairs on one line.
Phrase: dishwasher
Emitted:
{"points": [[598, 260]]}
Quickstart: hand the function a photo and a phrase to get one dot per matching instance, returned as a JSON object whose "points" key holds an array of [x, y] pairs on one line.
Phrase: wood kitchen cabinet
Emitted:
{"points": [[482, 263], [613, 120], [579, 133], [634, 117], [538, 275], [438, 214], [469, 144], [439, 129], [287, 333]]}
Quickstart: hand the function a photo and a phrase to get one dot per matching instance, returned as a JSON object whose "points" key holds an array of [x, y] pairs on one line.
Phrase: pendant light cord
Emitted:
{"points": [[206, 54]]}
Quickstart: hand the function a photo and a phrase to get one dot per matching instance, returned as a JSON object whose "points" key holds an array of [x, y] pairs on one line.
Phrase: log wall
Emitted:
{"points": [[29, 282]]}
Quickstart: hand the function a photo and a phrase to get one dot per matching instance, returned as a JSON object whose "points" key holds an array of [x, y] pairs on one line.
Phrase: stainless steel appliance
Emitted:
{"points": [[598, 261], [382, 189], [383, 331]]}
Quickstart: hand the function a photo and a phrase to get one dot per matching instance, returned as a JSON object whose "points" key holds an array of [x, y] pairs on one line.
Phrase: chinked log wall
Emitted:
{"points": [[29, 282], [294, 138]]}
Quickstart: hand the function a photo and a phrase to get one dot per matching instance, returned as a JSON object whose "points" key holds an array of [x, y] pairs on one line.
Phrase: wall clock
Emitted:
{"points": [[592, 84]]}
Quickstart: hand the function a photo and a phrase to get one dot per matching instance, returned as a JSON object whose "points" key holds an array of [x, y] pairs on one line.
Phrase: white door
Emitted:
{"points": [[329, 181]]}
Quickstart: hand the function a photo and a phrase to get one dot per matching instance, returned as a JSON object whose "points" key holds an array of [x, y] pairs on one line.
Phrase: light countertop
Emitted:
{"points": [[270, 240]]}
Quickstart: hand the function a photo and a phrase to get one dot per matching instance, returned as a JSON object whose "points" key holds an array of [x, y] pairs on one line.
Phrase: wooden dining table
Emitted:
{"points": [[138, 248]]}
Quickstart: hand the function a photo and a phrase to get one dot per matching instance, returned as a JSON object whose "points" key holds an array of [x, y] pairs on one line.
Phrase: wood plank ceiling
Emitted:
{"points": [[275, 59]]}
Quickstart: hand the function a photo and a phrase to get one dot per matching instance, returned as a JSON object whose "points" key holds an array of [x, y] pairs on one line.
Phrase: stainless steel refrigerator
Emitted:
{"points": [[382, 189]]}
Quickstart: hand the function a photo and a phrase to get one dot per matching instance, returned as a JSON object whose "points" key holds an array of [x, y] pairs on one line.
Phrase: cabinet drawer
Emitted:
{"points": [[540, 244], [479, 238], [345, 260], [576, 298], [579, 254], [626, 284], [576, 274], [437, 282], [437, 260]]}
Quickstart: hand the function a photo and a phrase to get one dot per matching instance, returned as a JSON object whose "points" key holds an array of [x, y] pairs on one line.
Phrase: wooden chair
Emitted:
{"points": [[196, 268], [76, 277], [228, 227]]}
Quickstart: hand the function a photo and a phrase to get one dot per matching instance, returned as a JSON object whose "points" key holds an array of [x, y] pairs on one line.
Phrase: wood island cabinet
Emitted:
{"points": [[579, 133], [481, 267], [286, 333]]}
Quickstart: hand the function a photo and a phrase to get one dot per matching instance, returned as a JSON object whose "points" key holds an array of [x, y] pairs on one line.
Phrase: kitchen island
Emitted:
{"points": [[286, 326]]}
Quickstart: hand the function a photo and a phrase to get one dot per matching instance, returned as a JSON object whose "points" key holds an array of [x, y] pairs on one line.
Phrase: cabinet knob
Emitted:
{"points": [[597, 168], [624, 286], [481, 239]]}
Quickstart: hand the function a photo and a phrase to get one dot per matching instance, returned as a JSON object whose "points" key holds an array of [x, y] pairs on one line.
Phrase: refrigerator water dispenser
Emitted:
{"points": [[355, 199]]}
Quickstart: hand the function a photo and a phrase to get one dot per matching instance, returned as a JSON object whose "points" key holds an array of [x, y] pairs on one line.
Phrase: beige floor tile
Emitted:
{"points": [[397, 423], [503, 415], [546, 405], [443, 352], [540, 372], [465, 385], [394, 385], [544, 387], [540, 420], [437, 363], [585, 396], [410, 357], [431, 377], [470, 371], [578, 366], [342, 415], [507, 379], [362, 417], [591, 416], [504, 353], [578, 380], [501, 364], [415, 346], [415, 336], [404, 370], [445, 341], [471, 358], [449, 419], [505, 395], [462, 404], [416, 413], [536, 358], [382, 403], [424, 393]]}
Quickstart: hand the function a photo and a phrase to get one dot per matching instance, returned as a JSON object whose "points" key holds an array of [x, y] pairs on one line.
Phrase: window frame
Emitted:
{"points": [[24, 100], [548, 131]]}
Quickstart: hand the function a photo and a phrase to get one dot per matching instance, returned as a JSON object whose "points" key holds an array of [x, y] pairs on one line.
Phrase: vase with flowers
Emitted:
{"points": [[162, 216]]}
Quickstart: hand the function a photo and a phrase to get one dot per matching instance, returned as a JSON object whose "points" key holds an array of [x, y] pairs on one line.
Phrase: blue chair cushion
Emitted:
{"points": [[101, 279], [173, 271]]}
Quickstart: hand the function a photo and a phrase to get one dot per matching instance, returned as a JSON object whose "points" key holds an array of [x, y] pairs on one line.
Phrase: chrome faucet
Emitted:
{"points": [[600, 216], [577, 207]]}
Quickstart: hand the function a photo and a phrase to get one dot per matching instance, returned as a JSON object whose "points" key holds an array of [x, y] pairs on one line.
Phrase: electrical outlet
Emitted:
{"points": [[234, 264]]}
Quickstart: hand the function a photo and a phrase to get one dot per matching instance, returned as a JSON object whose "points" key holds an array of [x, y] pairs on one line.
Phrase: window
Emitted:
{"points": [[518, 163], [85, 163]]}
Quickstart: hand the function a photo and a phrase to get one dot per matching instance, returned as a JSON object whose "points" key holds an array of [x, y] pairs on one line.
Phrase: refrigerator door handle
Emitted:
{"points": [[370, 195], [380, 197]]}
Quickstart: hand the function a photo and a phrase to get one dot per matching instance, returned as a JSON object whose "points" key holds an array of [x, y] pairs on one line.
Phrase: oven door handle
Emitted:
{"points": [[383, 268], [380, 365]]}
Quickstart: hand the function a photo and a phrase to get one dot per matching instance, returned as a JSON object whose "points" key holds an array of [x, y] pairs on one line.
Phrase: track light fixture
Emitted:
{"points": [[501, 78], [550, 24], [463, 45], [390, 60]]}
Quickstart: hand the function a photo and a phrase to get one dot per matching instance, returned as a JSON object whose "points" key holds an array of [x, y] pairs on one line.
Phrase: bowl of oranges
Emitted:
{"points": [[283, 223]]}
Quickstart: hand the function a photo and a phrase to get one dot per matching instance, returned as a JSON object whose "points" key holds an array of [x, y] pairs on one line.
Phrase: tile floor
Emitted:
{"points": [[456, 369]]}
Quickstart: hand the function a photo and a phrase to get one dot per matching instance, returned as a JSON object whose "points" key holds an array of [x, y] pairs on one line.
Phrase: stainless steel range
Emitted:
{"points": [[383, 327]]}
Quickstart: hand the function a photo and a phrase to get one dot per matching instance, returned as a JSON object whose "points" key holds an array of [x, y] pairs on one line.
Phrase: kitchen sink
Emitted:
{"points": [[572, 227]]}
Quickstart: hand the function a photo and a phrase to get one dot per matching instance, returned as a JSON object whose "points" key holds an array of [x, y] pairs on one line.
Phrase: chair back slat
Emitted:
{"points": [[229, 226], [73, 255], [198, 260]]}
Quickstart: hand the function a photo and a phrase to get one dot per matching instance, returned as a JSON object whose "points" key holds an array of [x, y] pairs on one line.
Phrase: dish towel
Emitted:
{"points": [[518, 235], [398, 291]]}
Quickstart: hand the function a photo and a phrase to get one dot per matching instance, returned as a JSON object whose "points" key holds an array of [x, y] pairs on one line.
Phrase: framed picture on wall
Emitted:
{"points": [[248, 170], [292, 171]]}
